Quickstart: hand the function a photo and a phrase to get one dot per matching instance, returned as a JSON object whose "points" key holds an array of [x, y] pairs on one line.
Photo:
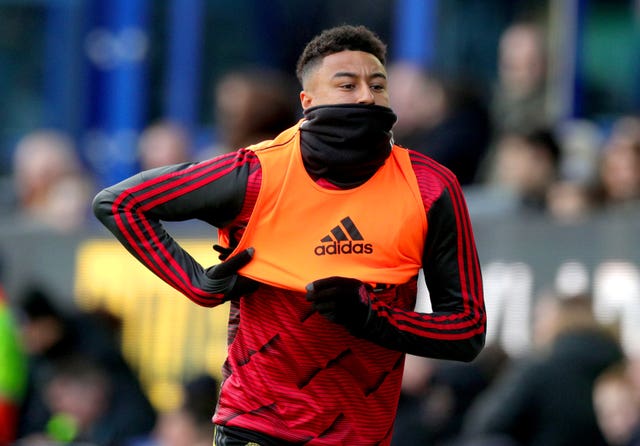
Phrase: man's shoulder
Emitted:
{"points": [[282, 140], [424, 165]]}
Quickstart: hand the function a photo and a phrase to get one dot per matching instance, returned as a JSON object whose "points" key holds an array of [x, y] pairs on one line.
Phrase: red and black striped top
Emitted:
{"points": [[291, 374]]}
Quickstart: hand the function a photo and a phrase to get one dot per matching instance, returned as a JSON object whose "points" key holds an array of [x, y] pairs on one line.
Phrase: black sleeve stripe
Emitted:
{"points": [[471, 321], [469, 255], [200, 174], [472, 284], [134, 226]]}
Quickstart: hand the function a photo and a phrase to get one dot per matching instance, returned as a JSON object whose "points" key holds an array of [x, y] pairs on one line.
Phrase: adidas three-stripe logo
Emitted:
{"points": [[344, 238], [339, 234]]}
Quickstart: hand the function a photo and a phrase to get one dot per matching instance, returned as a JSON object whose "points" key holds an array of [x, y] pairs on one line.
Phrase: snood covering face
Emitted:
{"points": [[346, 143]]}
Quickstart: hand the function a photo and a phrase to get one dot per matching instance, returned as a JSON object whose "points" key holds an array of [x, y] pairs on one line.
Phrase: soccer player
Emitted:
{"points": [[322, 233]]}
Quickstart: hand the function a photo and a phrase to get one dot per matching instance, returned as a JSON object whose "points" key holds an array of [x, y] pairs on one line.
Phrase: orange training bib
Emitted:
{"points": [[302, 232]]}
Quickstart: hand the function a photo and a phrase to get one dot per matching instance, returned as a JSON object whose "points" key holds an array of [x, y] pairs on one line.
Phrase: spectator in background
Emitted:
{"points": [[252, 105], [163, 143], [51, 340], [524, 168], [437, 394], [51, 187], [618, 180], [615, 182], [442, 119], [78, 396], [617, 405], [410, 427], [545, 399], [190, 423], [569, 201], [518, 102]]}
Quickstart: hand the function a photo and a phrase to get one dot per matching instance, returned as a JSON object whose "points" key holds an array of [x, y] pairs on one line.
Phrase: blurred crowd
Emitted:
{"points": [[64, 380], [51, 187], [575, 386], [508, 146], [68, 381]]}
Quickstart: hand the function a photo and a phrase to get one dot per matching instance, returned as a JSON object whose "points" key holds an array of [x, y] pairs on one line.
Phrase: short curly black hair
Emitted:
{"points": [[335, 40]]}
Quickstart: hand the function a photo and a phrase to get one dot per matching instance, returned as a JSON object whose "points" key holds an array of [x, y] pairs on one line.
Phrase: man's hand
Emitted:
{"points": [[223, 278], [342, 300]]}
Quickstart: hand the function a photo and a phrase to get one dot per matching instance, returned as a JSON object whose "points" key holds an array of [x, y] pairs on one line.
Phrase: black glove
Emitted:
{"points": [[223, 252], [224, 280], [342, 300]]}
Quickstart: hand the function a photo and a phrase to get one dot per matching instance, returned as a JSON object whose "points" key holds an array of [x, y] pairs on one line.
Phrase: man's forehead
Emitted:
{"points": [[352, 60]]}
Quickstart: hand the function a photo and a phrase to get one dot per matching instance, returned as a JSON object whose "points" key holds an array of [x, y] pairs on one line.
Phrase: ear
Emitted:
{"points": [[305, 99]]}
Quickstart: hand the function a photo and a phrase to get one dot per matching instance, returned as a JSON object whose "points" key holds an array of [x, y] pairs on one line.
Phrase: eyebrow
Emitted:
{"points": [[376, 75]]}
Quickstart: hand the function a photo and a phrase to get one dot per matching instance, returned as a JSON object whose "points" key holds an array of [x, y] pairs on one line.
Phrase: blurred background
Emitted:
{"points": [[100, 71], [534, 104]]}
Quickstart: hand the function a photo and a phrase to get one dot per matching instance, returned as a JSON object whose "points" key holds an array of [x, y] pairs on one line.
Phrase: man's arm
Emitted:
{"points": [[456, 328], [212, 191]]}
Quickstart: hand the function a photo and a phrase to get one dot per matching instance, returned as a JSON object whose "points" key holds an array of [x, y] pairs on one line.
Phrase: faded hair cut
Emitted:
{"points": [[335, 40]]}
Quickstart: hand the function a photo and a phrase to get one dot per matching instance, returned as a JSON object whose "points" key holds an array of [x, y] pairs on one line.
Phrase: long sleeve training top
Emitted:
{"points": [[290, 374]]}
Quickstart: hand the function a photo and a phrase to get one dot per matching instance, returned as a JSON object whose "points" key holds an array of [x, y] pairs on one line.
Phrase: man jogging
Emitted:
{"points": [[322, 234]]}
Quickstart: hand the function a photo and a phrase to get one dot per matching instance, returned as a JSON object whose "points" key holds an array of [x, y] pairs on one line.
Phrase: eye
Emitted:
{"points": [[347, 86], [378, 88]]}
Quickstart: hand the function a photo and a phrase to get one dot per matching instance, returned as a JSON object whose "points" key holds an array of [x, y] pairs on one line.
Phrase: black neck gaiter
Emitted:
{"points": [[346, 143]]}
